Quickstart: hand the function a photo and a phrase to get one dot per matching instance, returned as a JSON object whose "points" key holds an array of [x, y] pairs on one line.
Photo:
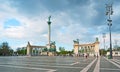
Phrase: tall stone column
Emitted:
{"points": [[49, 33]]}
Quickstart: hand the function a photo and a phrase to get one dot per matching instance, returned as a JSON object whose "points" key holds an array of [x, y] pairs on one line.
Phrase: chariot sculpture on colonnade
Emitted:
{"points": [[90, 49]]}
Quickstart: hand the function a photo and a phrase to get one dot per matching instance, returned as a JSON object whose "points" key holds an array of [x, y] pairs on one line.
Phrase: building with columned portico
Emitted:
{"points": [[90, 49]]}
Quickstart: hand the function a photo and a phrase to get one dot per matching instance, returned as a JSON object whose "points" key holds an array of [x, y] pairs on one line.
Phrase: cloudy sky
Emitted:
{"points": [[26, 20]]}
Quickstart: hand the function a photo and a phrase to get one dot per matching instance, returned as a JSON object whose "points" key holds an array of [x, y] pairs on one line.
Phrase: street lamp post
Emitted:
{"points": [[109, 12]]}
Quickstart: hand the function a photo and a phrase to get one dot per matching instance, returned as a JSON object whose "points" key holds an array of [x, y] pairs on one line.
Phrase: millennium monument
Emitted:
{"points": [[49, 49]]}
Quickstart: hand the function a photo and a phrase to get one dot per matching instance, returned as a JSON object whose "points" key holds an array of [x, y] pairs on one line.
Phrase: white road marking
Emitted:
{"points": [[47, 63], [97, 67], [113, 63], [48, 70], [74, 63], [88, 66], [116, 60], [42, 65], [109, 69]]}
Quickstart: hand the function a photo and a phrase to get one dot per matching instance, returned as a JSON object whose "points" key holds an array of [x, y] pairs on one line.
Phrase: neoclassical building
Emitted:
{"points": [[90, 49], [33, 50]]}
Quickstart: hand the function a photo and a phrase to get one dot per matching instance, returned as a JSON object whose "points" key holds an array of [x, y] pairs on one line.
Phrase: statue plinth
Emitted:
{"points": [[49, 22]]}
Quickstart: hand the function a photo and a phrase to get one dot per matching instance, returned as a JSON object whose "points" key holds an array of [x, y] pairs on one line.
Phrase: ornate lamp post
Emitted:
{"points": [[109, 12]]}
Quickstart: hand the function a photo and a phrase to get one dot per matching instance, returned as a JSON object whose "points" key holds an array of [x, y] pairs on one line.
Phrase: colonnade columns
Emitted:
{"points": [[38, 51], [82, 50], [91, 50], [32, 51], [87, 50], [41, 51]]}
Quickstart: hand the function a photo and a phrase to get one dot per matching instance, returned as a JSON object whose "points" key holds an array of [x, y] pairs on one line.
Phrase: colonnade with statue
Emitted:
{"points": [[33, 50], [90, 49]]}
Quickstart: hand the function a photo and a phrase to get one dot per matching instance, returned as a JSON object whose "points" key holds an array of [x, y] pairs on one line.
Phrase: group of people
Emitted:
{"points": [[86, 55]]}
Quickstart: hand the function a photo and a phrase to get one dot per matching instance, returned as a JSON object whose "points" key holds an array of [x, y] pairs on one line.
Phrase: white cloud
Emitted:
{"points": [[65, 28], [116, 11]]}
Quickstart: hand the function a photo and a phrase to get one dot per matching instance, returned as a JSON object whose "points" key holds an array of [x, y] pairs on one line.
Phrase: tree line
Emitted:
{"points": [[5, 49]]}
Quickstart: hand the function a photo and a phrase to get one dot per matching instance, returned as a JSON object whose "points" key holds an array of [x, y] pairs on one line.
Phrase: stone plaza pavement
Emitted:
{"points": [[58, 64]]}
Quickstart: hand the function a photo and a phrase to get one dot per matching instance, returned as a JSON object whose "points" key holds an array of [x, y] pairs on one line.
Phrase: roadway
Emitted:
{"points": [[58, 64]]}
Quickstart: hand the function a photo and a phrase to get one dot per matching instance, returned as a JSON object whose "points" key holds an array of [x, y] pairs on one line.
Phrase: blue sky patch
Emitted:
{"points": [[11, 22]]}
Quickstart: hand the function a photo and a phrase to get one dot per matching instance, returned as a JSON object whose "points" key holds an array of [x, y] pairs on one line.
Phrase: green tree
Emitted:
{"points": [[21, 51], [103, 52], [52, 49], [61, 49], [118, 48], [44, 49], [5, 49], [70, 52]]}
